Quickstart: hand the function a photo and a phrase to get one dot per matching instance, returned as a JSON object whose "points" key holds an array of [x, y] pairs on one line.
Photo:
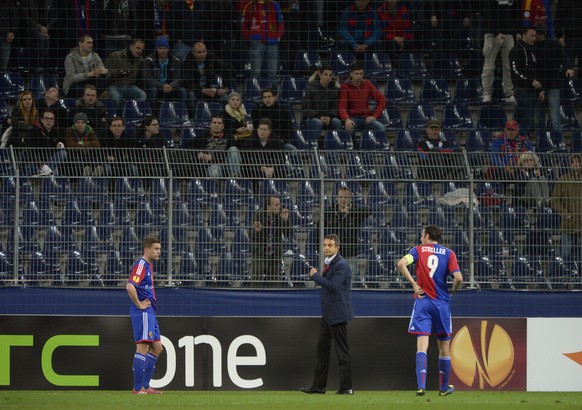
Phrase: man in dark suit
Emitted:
{"points": [[336, 304]]}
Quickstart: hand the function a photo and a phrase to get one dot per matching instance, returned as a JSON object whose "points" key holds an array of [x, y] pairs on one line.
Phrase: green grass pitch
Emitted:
{"points": [[256, 400]]}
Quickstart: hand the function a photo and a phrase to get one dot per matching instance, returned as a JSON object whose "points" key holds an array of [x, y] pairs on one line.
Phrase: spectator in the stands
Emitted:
{"points": [[119, 23], [125, 68], [569, 29], [219, 155], [501, 20], [22, 119], [235, 119], [278, 115], [81, 140], [201, 72], [39, 22], [8, 28], [83, 66], [264, 155], [263, 28], [94, 109], [396, 25], [321, 101], [120, 150], [354, 109], [359, 28], [163, 75], [49, 139], [51, 99]]}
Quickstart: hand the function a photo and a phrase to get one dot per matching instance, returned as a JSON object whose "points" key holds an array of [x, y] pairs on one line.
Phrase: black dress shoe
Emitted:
{"points": [[345, 391], [312, 390]]}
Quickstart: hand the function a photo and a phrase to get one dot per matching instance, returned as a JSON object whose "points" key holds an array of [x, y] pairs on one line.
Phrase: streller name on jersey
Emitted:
{"points": [[433, 250]]}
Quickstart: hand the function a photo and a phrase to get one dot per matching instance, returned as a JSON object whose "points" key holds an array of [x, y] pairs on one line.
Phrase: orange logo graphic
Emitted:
{"points": [[489, 360], [576, 356]]}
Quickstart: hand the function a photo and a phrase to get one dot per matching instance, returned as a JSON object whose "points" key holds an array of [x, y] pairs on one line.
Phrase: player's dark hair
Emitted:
{"points": [[434, 232], [149, 241], [333, 237]]}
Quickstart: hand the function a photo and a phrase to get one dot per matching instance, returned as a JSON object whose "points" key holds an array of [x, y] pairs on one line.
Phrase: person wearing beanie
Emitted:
{"points": [[235, 119], [81, 138], [163, 75], [125, 68]]}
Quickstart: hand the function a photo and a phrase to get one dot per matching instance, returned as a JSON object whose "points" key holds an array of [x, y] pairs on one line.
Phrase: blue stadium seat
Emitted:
{"points": [[406, 140], [203, 113], [378, 66], [203, 192], [129, 190], [4, 111], [571, 91], [391, 118], [190, 138], [174, 114], [134, 112], [306, 62], [382, 195], [399, 91], [550, 141], [468, 91], [40, 82], [188, 269], [374, 140], [568, 116], [340, 62], [419, 116], [238, 193], [338, 140], [492, 117], [11, 85], [168, 136], [435, 91], [115, 269], [252, 90], [73, 216], [304, 139], [291, 90], [411, 65], [457, 117], [576, 141], [446, 66], [478, 140]]}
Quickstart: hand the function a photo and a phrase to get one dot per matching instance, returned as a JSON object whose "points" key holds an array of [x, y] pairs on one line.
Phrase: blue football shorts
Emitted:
{"points": [[431, 317], [145, 326]]}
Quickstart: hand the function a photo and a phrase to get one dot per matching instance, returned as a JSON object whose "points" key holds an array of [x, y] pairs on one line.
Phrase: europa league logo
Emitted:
{"points": [[486, 356]]}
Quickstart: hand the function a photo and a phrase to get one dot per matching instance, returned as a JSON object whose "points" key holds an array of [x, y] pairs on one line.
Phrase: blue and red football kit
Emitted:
{"points": [[431, 313], [144, 322]]}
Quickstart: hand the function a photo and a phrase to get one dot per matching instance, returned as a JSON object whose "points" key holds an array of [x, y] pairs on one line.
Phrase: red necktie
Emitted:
{"points": [[325, 268]]}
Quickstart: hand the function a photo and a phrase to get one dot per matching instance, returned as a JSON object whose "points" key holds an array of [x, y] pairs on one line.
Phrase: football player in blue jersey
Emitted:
{"points": [[431, 313], [146, 331]]}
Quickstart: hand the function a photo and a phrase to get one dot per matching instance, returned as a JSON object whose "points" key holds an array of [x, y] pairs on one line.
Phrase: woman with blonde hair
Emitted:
{"points": [[533, 189], [235, 120]]}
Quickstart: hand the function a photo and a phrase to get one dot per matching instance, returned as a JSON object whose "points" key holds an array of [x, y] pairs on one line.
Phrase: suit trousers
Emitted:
{"points": [[339, 335]]}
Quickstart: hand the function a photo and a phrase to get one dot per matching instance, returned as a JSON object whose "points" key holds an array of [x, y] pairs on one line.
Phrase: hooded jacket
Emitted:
{"points": [[320, 101], [523, 65], [353, 100]]}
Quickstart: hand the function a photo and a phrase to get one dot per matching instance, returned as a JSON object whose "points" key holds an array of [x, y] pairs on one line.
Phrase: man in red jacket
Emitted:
{"points": [[353, 102]]}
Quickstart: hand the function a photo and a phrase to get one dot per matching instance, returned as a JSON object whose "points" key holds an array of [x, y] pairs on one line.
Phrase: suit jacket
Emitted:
{"points": [[336, 294]]}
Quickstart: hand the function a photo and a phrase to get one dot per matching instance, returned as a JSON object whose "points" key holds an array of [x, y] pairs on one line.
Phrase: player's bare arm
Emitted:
{"points": [[402, 266]]}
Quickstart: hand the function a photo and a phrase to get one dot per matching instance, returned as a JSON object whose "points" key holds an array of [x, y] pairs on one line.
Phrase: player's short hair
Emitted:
{"points": [[333, 237], [150, 240], [434, 232]]}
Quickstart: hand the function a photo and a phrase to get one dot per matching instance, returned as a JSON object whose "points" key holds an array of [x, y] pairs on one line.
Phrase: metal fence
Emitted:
{"points": [[83, 225]]}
